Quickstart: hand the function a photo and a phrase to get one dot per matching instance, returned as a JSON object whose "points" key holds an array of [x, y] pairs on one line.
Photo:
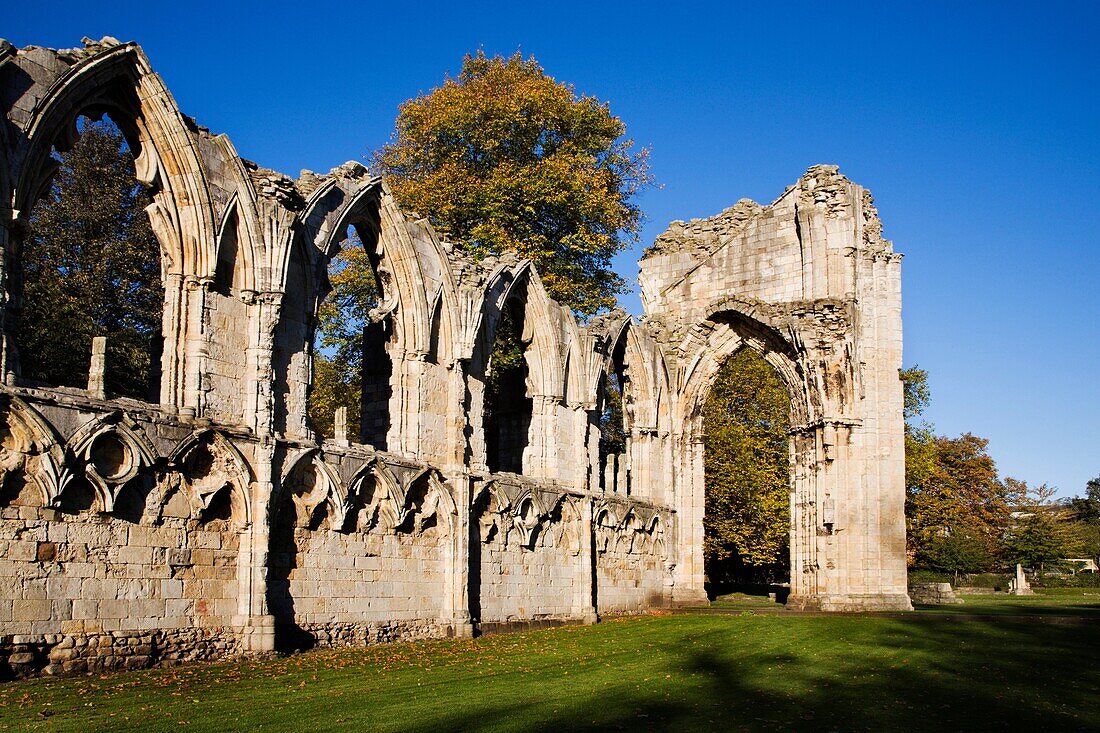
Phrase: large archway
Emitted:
{"points": [[725, 333], [746, 519]]}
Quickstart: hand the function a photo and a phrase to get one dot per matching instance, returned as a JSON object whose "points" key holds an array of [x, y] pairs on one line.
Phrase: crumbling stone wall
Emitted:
{"points": [[216, 521]]}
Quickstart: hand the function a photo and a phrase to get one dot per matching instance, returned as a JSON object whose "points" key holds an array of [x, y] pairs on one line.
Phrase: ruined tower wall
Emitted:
{"points": [[809, 283]]}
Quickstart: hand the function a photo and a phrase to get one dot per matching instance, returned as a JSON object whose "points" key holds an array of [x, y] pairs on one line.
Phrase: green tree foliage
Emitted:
{"points": [[91, 267], [917, 393], [747, 467], [505, 158], [338, 339], [1039, 534], [1083, 523], [1087, 508], [954, 496], [920, 453], [957, 552]]}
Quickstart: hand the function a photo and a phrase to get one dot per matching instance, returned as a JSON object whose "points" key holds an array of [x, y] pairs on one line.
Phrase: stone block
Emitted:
{"points": [[39, 609], [22, 551]]}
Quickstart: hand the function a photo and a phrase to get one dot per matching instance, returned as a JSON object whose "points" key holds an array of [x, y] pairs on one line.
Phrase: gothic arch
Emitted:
{"points": [[324, 490], [236, 226], [410, 265], [120, 81], [207, 463], [31, 446], [552, 336], [113, 450], [708, 345]]}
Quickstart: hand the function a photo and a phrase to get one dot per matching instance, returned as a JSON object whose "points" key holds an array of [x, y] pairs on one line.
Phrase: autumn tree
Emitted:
{"points": [[955, 499], [957, 551], [962, 492], [91, 267], [505, 158], [746, 519]]}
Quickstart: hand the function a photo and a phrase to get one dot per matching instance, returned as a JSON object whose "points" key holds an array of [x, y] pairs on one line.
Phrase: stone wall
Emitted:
{"points": [[216, 521]]}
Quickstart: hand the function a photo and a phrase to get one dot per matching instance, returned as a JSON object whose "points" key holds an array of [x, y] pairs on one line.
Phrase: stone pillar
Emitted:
{"points": [[264, 312], [257, 626], [588, 446], [690, 492], [340, 426], [10, 224], [197, 348], [804, 505], [457, 596], [585, 588], [170, 389], [536, 460], [457, 420], [1019, 584], [405, 407], [97, 369]]}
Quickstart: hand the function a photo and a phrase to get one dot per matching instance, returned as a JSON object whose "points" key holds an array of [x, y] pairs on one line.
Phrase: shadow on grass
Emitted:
{"points": [[912, 674], [690, 672]]}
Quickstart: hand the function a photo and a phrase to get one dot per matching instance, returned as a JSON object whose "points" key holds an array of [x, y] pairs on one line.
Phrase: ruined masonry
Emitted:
{"points": [[217, 523]]}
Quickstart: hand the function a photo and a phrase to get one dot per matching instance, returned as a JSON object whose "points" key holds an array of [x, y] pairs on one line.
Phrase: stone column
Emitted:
{"points": [[535, 459], [197, 347], [171, 318], [457, 596], [457, 422], [584, 576], [804, 539], [690, 489], [10, 224], [264, 310], [97, 369], [340, 427], [405, 410], [257, 626]]}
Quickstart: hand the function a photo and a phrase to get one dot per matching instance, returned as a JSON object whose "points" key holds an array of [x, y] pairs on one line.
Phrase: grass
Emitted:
{"points": [[684, 672], [1071, 602]]}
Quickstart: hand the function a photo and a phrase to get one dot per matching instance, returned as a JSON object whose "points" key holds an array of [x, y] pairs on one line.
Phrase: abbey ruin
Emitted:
{"points": [[215, 521]]}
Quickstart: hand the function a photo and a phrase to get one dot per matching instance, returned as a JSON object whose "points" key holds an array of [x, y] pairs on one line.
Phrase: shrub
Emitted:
{"points": [[1081, 580]]}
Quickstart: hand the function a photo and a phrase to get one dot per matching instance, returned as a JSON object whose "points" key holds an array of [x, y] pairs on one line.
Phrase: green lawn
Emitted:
{"points": [[738, 671], [1073, 602]]}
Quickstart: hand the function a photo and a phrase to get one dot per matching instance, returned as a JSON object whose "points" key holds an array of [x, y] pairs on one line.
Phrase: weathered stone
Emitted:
{"points": [[47, 552], [216, 522], [933, 593]]}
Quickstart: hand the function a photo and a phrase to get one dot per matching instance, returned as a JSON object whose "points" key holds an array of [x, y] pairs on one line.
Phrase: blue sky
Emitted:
{"points": [[976, 126]]}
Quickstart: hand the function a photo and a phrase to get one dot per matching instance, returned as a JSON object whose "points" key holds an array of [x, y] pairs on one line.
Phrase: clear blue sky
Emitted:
{"points": [[976, 126]]}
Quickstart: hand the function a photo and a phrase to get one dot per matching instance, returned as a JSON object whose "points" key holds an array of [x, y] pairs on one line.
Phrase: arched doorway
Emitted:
{"points": [[746, 520], [724, 335]]}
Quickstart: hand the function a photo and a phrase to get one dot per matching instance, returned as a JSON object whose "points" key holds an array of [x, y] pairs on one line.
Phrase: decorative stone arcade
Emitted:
{"points": [[216, 521]]}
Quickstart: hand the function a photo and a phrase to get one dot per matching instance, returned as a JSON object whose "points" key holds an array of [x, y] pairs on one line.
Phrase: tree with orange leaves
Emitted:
{"points": [[505, 158]]}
